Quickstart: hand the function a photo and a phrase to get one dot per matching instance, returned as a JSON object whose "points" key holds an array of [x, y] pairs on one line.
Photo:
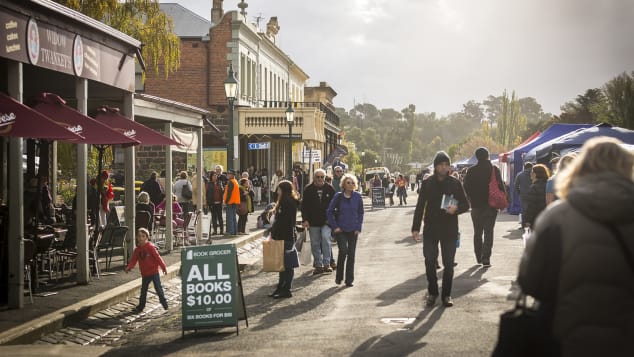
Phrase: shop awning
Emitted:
{"points": [[146, 136], [18, 120], [93, 131]]}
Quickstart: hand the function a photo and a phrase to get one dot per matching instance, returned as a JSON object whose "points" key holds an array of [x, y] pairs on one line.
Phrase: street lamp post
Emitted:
{"points": [[231, 89], [290, 117], [362, 171]]}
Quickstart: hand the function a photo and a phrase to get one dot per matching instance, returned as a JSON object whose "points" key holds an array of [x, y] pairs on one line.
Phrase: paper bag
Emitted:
{"points": [[273, 255]]}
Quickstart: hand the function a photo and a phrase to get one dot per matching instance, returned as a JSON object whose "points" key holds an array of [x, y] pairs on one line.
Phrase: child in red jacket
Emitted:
{"points": [[149, 261]]}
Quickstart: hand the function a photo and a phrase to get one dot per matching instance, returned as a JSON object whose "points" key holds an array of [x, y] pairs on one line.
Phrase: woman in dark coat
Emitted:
{"points": [[536, 198], [284, 229]]}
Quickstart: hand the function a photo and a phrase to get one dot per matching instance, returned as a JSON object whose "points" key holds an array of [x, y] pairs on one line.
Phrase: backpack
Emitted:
{"points": [[186, 191]]}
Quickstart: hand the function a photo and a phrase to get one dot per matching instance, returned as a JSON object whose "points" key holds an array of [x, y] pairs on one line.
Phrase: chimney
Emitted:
{"points": [[216, 11]]}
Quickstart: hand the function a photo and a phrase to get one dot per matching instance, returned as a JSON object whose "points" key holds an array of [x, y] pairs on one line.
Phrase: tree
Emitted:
{"points": [[140, 19], [619, 93], [473, 111], [511, 122], [590, 107]]}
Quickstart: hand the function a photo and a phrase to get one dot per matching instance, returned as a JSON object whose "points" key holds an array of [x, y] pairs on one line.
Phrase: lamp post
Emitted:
{"points": [[362, 171], [231, 89], [290, 118]]}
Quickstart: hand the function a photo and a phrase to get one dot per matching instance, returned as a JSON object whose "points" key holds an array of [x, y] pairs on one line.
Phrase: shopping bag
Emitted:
{"points": [[497, 197], [526, 236], [306, 255], [273, 255], [291, 259], [301, 239]]}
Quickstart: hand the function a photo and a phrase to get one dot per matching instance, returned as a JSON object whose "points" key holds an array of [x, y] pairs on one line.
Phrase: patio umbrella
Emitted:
{"points": [[18, 120], [132, 129], [93, 132]]}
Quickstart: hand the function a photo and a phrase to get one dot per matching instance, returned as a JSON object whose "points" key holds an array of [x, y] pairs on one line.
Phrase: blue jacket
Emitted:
{"points": [[350, 216]]}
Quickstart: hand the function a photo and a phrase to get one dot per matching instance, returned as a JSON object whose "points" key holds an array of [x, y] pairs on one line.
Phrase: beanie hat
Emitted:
{"points": [[482, 153], [441, 156]]}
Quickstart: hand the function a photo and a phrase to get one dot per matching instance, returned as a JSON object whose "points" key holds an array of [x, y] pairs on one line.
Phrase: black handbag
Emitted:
{"points": [[520, 332], [291, 259]]}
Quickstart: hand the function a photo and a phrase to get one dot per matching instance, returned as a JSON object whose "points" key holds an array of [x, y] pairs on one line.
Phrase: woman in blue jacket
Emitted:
{"points": [[345, 217]]}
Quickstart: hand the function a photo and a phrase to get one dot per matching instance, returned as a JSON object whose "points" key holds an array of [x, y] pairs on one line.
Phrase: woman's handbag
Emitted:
{"points": [[520, 332], [243, 208], [497, 197], [291, 259], [272, 255]]}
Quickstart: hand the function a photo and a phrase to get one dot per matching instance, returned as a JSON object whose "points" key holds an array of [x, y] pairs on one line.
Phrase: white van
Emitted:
{"points": [[369, 173]]}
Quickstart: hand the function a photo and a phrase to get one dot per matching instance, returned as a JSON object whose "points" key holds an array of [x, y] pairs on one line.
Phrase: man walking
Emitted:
{"points": [[441, 225], [153, 188], [317, 197], [522, 186], [336, 178], [232, 200], [476, 185]]}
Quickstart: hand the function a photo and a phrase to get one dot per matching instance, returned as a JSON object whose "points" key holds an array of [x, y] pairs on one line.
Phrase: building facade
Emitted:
{"points": [[269, 82]]}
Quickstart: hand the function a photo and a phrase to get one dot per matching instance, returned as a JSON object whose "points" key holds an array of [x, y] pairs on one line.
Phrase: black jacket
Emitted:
{"points": [[536, 200], [476, 183], [437, 222], [285, 220], [153, 188], [313, 208]]}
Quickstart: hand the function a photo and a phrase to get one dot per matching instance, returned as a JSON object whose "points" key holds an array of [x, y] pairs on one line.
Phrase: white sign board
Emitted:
{"points": [[315, 153]]}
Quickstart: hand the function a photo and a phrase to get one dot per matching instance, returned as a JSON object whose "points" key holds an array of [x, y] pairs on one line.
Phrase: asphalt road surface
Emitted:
{"points": [[382, 315]]}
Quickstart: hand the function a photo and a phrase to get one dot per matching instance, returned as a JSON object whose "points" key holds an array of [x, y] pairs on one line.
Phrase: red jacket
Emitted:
{"points": [[149, 260]]}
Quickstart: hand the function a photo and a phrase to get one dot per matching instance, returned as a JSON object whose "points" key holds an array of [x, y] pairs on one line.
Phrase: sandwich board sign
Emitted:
{"points": [[378, 197], [211, 287]]}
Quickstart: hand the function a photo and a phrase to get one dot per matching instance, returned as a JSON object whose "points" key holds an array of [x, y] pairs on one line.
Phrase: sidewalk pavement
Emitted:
{"points": [[71, 303]]}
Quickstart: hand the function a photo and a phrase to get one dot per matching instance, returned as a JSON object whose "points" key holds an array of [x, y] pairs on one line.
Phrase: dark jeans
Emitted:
{"points": [[286, 277], [216, 217], [524, 209], [430, 251], [347, 243], [145, 283], [483, 222], [242, 223]]}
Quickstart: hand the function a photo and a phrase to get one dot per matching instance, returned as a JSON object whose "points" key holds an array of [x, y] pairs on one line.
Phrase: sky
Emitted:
{"points": [[439, 54]]}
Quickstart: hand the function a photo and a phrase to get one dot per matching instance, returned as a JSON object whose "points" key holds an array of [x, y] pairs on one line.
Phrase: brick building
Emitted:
{"points": [[269, 81]]}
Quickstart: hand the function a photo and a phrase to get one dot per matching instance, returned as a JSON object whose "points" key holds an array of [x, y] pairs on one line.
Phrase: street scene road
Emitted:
{"points": [[382, 315]]}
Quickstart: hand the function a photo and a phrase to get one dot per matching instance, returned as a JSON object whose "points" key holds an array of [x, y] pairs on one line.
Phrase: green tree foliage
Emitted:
{"points": [[511, 122], [473, 111], [140, 19], [590, 107], [619, 93]]}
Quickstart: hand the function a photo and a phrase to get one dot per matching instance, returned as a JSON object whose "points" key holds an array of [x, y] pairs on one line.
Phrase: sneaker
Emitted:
{"points": [[486, 264], [318, 270], [430, 300], [349, 285], [447, 302], [283, 295], [137, 310], [333, 265], [327, 269]]}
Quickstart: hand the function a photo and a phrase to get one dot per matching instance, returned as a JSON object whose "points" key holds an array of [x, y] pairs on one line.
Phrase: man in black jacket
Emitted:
{"points": [[317, 197], [476, 184], [441, 226], [153, 188]]}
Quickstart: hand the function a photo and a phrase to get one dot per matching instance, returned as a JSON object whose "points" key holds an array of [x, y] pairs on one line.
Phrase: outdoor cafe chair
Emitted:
{"points": [[29, 262], [143, 219]]}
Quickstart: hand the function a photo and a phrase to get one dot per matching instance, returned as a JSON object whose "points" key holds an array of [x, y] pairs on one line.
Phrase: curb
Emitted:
{"points": [[31, 331]]}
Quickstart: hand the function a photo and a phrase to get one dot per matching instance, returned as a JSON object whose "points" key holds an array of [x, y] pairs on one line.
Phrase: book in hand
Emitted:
{"points": [[447, 200]]}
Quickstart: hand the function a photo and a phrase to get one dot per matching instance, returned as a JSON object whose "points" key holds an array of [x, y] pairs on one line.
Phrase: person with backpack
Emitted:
{"points": [[184, 192]]}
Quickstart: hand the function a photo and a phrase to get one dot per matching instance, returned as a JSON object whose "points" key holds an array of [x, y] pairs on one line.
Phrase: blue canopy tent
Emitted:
{"points": [[576, 139], [471, 161], [515, 158]]}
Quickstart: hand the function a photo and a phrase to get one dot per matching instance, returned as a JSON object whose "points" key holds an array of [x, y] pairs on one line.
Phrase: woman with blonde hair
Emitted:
{"points": [[345, 217], [579, 261]]}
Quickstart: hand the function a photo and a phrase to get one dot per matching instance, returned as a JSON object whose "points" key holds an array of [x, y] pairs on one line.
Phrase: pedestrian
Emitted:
{"points": [[391, 187], [284, 229], [536, 197], [183, 195], [317, 197], [345, 217], [336, 178], [578, 262], [222, 177], [412, 181], [550, 184], [401, 189], [215, 190], [153, 188], [522, 185], [476, 185], [257, 187], [440, 226], [232, 201], [275, 180], [149, 262], [245, 200]]}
